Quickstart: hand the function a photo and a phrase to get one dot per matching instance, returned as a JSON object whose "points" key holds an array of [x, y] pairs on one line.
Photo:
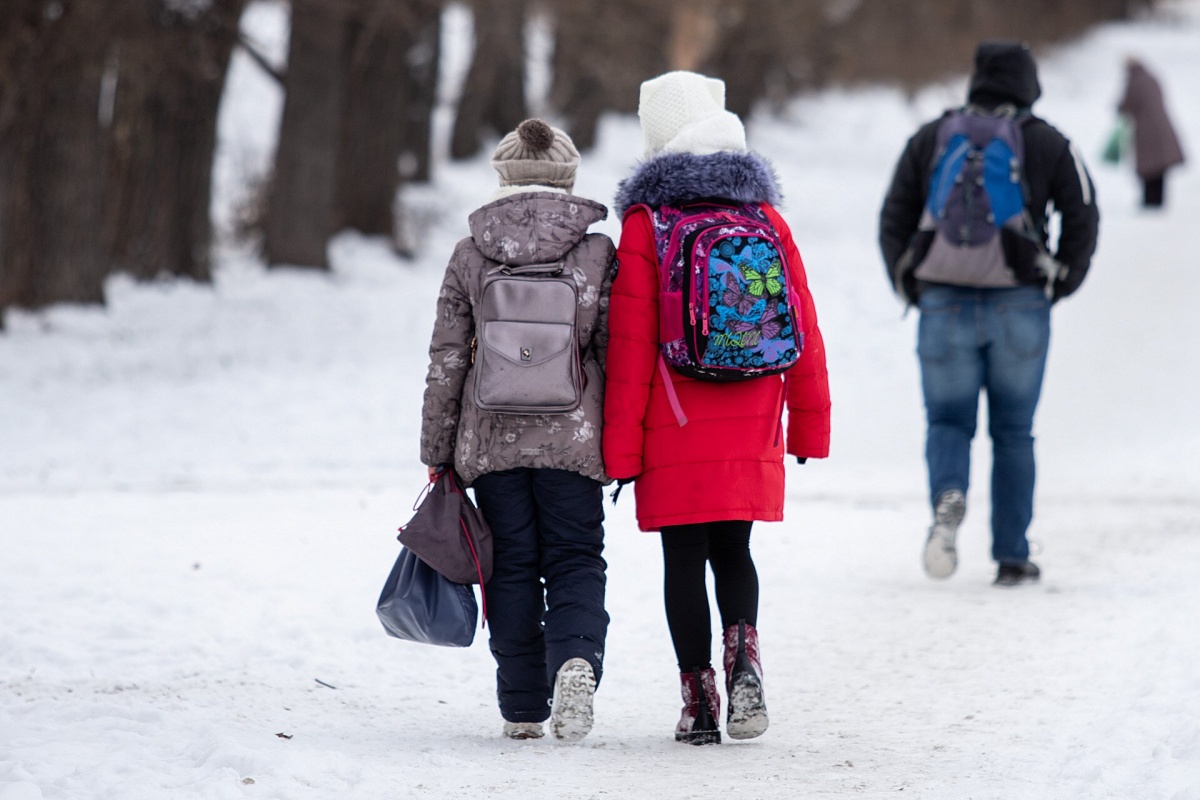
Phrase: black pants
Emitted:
{"points": [[1153, 191], [547, 526], [687, 550]]}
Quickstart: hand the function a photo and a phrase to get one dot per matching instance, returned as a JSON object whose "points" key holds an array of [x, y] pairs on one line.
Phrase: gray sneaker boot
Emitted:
{"points": [[941, 556], [522, 730], [571, 708]]}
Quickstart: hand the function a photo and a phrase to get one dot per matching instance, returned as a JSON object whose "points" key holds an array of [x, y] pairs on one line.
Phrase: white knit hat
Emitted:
{"points": [[536, 153], [683, 112]]}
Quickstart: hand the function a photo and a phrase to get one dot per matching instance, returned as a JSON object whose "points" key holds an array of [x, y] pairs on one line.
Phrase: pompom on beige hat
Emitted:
{"points": [[536, 154]]}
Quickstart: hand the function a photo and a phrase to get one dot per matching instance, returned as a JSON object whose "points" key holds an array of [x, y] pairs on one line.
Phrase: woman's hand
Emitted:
{"points": [[433, 473]]}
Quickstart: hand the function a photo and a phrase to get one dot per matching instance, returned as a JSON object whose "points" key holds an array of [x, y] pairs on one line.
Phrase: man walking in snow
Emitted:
{"points": [[964, 234]]}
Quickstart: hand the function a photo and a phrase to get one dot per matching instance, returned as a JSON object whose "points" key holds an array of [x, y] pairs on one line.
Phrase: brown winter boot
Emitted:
{"points": [[701, 708], [743, 683]]}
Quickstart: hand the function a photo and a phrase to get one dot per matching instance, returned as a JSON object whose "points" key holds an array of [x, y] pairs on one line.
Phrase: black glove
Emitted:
{"points": [[801, 460], [621, 484], [1058, 291]]}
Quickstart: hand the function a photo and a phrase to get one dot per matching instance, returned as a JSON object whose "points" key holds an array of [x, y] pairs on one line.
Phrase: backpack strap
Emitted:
{"points": [[793, 294], [663, 369], [637, 207], [672, 397]]}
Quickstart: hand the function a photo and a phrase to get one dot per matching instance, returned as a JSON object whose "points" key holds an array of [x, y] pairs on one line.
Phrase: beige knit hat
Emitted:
{"points": [[536, 153], [684, 112]]}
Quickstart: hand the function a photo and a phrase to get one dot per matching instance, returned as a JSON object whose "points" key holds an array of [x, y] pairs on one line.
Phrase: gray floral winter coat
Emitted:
{"points": [[535, 227]]}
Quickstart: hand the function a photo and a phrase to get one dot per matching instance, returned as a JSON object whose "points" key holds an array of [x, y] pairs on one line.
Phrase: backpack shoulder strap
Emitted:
{"points": [[635, 208], [943, 133]]}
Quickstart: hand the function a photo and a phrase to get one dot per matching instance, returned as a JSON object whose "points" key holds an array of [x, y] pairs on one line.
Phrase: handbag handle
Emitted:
{"points": [[426, 489], [456, 486], [554, 268]]}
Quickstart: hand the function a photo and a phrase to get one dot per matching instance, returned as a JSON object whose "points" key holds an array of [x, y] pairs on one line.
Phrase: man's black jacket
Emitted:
{"points": [[1055, 177]]}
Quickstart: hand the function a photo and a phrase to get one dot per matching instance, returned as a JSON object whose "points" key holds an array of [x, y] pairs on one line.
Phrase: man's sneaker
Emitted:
{"points": [[941, 555], [571, 709], [1017, 574], [522, 730]]}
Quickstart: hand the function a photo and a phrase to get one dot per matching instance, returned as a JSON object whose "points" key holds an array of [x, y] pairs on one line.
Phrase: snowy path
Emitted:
{"points": [[199, 487], [165, 665]]}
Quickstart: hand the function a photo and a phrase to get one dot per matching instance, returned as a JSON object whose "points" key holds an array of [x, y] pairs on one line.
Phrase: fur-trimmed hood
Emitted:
{"points": [[671, 178]]}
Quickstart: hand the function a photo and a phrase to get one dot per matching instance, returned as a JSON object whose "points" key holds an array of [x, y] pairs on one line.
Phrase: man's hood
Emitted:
{"points": [[1005, 72], [533, 227]]}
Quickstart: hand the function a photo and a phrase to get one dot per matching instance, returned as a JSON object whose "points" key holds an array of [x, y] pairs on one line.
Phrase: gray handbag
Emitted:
{"points": [[527, 358], [449, 533]]}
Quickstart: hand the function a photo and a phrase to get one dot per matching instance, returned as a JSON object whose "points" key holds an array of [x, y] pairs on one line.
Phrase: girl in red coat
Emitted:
{"points": [[707, 457]]}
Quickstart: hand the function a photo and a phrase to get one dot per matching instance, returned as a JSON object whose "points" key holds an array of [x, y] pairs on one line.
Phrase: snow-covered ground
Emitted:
{"points": [[199, 489]]}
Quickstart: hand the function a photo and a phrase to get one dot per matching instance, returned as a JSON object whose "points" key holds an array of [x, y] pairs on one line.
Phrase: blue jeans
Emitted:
{"points": [[546, 595], [994, 340]]}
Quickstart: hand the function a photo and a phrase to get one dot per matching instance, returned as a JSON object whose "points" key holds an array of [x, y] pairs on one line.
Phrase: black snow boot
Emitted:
{"points": [[1017, 574], [701, 708]]}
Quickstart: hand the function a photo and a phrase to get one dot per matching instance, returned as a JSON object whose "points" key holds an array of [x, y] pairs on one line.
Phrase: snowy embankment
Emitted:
{"points": [[199, 488]]}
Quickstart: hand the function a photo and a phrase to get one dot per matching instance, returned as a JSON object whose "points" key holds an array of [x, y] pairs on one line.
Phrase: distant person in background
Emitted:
{"points": [[1155, 146], [964, 234], [537, 476], [708, 457]]}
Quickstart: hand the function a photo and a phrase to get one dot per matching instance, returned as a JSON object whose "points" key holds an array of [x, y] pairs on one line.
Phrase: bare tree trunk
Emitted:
{"points": [[603, 50], [390, 91], [579, 92], [420, 92], [372, 125], [302, 203], [694, 30], [171, 70], [493, 97], [766, 49], [361, 79], [51, 187]]}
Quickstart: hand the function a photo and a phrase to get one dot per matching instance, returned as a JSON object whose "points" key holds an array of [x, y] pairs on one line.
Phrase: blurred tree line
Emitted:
{"points": [[108, 108]]}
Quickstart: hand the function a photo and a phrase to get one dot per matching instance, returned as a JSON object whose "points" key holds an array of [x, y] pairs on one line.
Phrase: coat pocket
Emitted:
{"points": [[527, 367]]}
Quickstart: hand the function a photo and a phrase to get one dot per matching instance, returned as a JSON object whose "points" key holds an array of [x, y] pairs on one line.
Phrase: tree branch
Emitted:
{"points": [[258, 58]]}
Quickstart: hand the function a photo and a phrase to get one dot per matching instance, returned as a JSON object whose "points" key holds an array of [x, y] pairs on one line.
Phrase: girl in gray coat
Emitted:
{"points": [[537, 476]]}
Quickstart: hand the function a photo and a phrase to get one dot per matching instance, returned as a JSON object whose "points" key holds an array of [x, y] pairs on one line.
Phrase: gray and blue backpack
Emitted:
{"points": [[975, 230]]}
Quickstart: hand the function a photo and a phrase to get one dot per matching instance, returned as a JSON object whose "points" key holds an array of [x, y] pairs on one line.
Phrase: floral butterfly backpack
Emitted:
{"points": [[728, 310]]}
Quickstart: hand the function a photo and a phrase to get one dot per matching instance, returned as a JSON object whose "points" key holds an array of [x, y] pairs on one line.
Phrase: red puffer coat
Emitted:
{"points": [[726, 463]]}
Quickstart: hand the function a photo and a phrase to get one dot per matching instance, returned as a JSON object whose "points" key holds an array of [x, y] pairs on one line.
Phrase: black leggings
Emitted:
{"points": [[686, 551]]}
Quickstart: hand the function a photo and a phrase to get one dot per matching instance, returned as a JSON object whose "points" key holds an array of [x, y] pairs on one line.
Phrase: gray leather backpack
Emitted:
{"points": [[527, 358]]}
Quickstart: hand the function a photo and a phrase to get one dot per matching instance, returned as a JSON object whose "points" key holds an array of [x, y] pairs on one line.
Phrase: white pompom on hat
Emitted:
{"points": [[684, 112], [536, 153]]}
